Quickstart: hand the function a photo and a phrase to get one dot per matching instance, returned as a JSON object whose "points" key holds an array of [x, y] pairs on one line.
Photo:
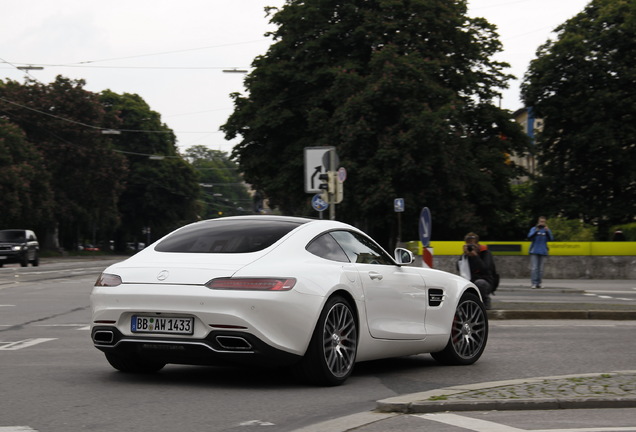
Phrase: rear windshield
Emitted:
{"points": [[227, 236]]}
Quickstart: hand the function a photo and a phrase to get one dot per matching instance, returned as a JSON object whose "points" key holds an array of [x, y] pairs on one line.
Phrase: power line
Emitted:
{"points": [[48, 65], [100, 128], [169, 52]]}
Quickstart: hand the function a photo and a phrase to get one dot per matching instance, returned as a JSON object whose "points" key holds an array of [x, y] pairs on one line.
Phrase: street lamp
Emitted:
{"points": [[29, 68]]}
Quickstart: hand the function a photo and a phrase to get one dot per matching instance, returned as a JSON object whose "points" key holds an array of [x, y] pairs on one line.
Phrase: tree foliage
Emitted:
{"points": [[582, 86], [161, 190], [223, 192], [25, 188], [85, 174], [403, 90], [67, 179]]}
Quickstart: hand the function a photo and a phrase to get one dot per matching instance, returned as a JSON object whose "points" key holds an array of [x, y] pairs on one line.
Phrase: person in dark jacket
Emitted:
{"points": [[481, 264], [539, 235]]}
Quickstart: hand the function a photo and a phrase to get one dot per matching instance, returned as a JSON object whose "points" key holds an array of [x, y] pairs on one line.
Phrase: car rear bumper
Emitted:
{"points": [[217, 348]]}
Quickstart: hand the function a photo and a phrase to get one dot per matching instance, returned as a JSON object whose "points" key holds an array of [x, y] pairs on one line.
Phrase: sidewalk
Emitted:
{"points": [[601, 390], [572, 310], [584, 391]]}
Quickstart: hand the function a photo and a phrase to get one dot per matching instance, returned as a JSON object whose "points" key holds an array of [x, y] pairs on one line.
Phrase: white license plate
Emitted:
{"points": [[170, 325]]}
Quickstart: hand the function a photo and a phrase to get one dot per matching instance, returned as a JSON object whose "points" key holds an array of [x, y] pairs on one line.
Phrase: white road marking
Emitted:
{"points": [[60, 325], [17, 429], [255, 423], [478, 425], [12, 346], [608, 292], [469, 423]]}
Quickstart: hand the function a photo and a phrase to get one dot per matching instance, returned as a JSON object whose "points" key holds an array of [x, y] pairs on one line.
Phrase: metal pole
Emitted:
{"points": [[332, 197]]}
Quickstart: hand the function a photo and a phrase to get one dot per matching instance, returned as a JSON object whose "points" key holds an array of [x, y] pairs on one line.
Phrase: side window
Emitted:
{"points": [[326, 247], [361, 249]]}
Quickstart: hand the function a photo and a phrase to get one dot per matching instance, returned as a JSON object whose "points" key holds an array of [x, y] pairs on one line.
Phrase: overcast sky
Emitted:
{"points": [[173, 53]]}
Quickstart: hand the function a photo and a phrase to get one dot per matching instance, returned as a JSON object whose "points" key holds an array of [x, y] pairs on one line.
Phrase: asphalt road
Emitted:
{"points": [[53, 379]]}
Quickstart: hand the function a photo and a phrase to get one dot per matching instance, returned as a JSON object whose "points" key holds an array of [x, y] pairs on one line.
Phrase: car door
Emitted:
{"points": [[395, 296]]}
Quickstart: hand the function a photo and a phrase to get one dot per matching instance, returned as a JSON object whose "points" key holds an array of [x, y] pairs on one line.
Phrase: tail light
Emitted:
{"points": [[108, 280], [252, 284]]}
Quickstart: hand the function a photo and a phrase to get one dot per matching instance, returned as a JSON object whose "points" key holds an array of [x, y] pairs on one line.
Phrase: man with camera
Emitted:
{"points": [[539, 235], [478, 266]]}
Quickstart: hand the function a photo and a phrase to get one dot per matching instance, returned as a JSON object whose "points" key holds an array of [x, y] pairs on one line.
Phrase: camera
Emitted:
{"points": [[540, 226], [470, 248]]}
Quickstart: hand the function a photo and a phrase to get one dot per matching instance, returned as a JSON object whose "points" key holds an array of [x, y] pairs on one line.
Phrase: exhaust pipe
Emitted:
{"points": [[233, 343], [103, 337]]}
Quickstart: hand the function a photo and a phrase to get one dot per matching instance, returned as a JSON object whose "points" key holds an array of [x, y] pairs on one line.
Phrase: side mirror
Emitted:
{"points": [[403, 256]]}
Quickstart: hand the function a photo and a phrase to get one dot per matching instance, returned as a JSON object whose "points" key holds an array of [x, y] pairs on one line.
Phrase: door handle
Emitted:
{"points": [[375, 275]]}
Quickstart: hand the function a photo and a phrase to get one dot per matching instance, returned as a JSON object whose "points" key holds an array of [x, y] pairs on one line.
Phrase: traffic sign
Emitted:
{"points": [[398, 205], [318, 203], [317, 162], [425, 226], [342, 174]]}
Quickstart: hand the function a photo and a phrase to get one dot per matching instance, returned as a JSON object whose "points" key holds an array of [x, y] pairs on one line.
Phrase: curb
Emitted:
{"points": [[516, 405], [498, 314]]}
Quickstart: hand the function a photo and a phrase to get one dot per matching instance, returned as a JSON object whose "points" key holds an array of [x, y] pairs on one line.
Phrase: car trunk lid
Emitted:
{"points": [[181, 269]]}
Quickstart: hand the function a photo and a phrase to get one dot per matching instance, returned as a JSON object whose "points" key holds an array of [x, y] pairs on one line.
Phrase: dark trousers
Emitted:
{"points": [[484, 289]]}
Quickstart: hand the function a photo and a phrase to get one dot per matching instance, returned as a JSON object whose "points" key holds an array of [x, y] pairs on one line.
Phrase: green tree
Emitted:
{"points": [[25, 192], [60, 120], [569, 230], [582, 86], [161, 191], [223, 192], [403, 89]]}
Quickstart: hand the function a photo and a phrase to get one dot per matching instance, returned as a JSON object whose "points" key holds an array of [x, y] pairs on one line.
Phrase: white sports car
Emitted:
{"points": [[316, 295]]}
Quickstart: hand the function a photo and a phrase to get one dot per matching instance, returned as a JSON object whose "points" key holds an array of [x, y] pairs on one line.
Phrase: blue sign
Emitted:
{"points": [[318, 203], [425, 226], [398, 204]]}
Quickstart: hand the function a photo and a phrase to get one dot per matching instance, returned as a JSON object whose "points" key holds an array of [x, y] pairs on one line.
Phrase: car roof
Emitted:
{"points": [[299, 220]]}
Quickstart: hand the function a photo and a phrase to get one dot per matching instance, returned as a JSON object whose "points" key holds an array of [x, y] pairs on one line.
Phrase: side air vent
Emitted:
{"points": [[435, 297]]}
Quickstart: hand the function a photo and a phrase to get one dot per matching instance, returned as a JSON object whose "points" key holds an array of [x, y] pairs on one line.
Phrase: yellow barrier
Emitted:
{"points": [[522, 248]]}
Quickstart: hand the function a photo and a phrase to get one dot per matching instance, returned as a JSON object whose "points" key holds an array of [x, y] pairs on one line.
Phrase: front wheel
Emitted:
{"points": [[133, 364], [332, 350], [469, 333]]}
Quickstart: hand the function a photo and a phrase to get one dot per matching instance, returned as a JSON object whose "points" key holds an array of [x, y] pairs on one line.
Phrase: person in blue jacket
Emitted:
{"points": [[539, 235]]}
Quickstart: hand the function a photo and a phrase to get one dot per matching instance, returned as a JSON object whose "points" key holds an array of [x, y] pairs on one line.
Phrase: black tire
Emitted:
{"points": [[131, 364], [36, 260], [469, 333], [331, 355], [24, 261]]}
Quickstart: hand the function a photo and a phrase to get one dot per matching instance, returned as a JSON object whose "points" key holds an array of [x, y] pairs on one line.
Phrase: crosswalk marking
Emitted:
{"points": [[478, 425], [12, 346], [469, 423]]}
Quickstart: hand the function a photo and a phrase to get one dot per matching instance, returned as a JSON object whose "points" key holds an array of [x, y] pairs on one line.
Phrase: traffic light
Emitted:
{"points": [[328, 185]]}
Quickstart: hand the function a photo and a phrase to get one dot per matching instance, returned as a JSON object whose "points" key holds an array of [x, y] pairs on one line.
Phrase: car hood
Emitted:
{"points": [[179, 268]]}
